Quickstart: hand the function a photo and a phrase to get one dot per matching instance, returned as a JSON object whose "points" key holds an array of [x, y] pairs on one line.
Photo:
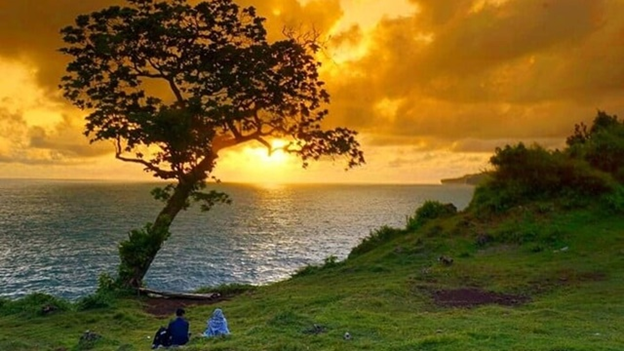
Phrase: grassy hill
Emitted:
{"points": [[554, 279], [536, 262]]}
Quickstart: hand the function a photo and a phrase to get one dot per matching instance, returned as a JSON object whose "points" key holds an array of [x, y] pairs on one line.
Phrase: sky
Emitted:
{"points": [[432, 86]]}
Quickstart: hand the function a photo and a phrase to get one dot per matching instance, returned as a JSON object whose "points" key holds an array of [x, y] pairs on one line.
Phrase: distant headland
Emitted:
{"points": [[469, 179]]}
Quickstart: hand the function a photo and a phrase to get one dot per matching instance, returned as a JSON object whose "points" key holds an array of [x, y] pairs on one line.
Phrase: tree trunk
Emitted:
{"points": [[139, 251], [133, 269]]}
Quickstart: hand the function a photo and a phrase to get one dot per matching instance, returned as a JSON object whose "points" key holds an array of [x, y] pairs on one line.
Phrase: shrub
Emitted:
{"points": [[376, 238], [106, 283], [137, 252], [526, 174], [602, 145], [36, 304], [329, 262], [96, 301], [614, 201], [428, 211]]}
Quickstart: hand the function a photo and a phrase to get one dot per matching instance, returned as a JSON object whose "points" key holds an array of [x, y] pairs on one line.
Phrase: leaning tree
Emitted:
{"points": [[172, 84]]}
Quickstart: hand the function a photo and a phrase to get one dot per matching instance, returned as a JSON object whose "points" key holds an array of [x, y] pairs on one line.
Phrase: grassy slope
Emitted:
{"points": [[383, 298]]}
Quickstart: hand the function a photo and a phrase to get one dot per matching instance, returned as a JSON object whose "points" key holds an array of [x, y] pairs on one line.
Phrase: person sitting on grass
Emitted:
{"points": [[179, 329], [161, 338], [217, 324]]}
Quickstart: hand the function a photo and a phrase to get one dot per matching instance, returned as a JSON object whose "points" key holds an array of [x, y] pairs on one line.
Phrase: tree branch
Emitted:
{"points": [[159, 172], [174, 88]]}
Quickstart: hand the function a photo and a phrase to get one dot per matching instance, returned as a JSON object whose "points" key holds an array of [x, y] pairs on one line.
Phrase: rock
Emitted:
{"points": [[87, 340], [450, 208], [445, 260], [483, 239], [90, 336], [47, 309], [316, 329]]}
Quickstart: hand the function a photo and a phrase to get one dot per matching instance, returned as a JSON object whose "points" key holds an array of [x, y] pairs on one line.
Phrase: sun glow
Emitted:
{"points": [[260, 157]]}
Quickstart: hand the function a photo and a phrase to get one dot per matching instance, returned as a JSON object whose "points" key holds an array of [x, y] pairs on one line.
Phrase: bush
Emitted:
{"points": [[330, 262], [376, 238], [106, 283], [36, 304], [614, 201], [96, 301], [428, 211], [137, 252], [526, 174]]}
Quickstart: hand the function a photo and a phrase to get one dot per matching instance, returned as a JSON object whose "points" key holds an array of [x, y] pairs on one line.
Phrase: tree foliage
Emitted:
{"points": [[428, 211], [591, 166], [602, 146], [172, 84]]}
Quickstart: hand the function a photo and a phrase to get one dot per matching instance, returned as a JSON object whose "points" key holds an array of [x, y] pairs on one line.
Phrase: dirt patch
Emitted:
{"points": [[470, 297], [166, 307]]}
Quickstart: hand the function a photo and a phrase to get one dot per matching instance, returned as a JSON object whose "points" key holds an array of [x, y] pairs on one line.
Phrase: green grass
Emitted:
{"points": [[382, 296]]}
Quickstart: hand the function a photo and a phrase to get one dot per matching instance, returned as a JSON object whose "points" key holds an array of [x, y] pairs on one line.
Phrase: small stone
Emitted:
{"points": [[89, 336], [47, 309], [445, 260]]}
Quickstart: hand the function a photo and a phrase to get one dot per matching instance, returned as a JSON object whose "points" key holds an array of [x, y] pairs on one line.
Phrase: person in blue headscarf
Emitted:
{"points": [[217, 324]]}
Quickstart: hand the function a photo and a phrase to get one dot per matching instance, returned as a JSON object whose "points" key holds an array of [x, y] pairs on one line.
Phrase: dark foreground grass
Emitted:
{"points": [[570, 264]]}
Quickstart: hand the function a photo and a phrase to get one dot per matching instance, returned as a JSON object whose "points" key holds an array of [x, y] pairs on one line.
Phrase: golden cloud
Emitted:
{"points": [[487, 70], [431, 77]]}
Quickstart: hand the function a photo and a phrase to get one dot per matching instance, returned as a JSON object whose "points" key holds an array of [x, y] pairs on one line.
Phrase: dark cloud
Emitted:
{"points": [[505, 70], [29, 30]]}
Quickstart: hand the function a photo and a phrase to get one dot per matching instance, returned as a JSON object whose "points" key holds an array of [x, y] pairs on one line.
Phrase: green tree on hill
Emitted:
{"points": [[173, 84], [591, 166], [602, 146]]}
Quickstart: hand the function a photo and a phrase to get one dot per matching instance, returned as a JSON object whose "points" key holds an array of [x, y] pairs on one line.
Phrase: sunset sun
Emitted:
{"points": [[275, 159]]}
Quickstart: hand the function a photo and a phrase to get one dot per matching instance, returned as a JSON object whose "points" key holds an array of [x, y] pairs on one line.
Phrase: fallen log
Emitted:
{"points": [[187, 296]]}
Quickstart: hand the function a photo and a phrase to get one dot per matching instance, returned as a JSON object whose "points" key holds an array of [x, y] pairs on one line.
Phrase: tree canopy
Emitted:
{"points": [[227, 84]]}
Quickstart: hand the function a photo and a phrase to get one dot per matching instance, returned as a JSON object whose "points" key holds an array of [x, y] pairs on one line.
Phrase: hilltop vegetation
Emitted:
{"points": [[536, 262], [590, 168]]}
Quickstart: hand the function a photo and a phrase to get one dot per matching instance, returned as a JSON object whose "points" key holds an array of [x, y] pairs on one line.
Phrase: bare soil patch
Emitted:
{"points": [[471, 297], [166, 307]]}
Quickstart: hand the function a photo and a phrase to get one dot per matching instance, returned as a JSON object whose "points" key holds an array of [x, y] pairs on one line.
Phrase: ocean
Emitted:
{"points": [[56, 237]]}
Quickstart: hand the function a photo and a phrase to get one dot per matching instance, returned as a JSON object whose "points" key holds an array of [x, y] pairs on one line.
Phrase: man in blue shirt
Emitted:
{"points": [[179, 329]]}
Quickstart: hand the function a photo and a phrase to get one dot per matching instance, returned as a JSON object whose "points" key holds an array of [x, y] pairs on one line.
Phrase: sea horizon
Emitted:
{"points": [[155, 181]]}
